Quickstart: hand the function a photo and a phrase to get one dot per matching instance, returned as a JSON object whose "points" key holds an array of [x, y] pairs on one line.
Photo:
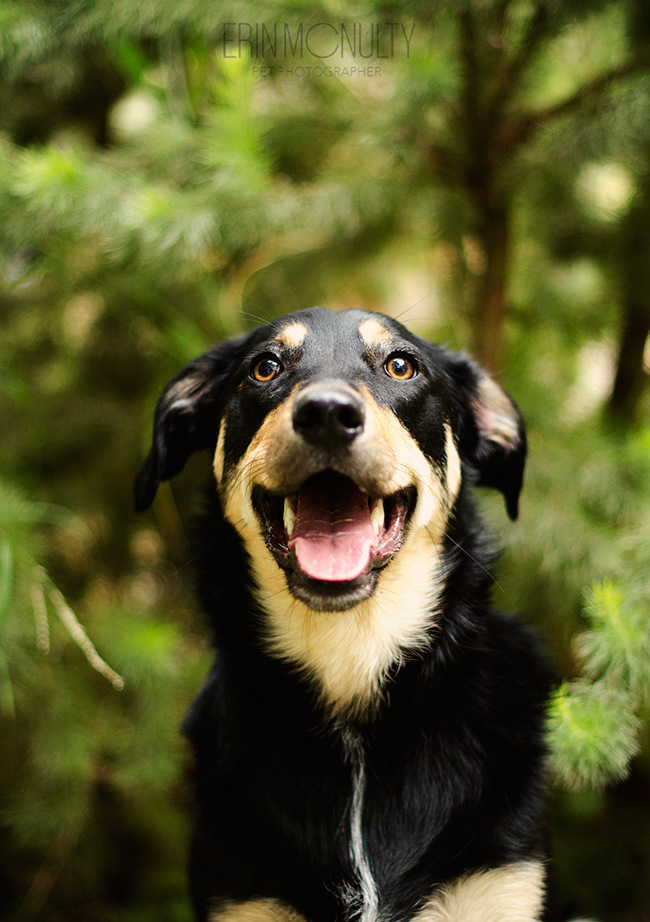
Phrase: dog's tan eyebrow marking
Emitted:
{"points": [[292, 335], [374, 333]]}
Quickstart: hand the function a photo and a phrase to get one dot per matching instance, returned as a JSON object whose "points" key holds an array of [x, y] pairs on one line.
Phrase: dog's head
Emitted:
{"points": [[338, 438]]}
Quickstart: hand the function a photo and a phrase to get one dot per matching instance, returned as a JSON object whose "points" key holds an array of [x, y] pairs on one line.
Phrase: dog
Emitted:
{"points": [[369, 744]]}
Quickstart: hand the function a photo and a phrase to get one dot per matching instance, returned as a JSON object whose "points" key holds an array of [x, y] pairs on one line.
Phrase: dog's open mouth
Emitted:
{"points": [[331, 537]]}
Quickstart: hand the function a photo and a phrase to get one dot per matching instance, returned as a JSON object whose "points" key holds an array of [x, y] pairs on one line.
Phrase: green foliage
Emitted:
{"points": [[593, 726], [592, 734], [94, 730], [616, 645]]}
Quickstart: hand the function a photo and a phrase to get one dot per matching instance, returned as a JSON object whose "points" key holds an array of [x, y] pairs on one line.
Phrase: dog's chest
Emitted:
{"points": [[396, 810], [349, 802]]}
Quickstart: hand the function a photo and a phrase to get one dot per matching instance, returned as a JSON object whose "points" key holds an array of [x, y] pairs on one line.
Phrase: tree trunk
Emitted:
{"points": [[489, 312], [631, 376]]}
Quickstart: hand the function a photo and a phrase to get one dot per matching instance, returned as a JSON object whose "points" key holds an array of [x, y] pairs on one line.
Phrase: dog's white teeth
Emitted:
{"points": [[377, 515], [288, 516]]}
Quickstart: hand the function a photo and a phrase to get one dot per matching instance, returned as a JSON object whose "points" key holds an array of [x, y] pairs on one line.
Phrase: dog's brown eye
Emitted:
{"points": [[400, 368], [266, 369]]}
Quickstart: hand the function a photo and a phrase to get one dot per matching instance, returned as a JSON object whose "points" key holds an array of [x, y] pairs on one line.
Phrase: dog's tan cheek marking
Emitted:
{"points": [[252, 468], [293, 335], [236, 490], [512, 893], [270, 580], [436, 490], [219, 458], [266, 910], [453, 471]]}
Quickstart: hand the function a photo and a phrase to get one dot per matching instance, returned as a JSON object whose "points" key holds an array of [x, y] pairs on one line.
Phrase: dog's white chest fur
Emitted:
{"points": [[363, 900]]}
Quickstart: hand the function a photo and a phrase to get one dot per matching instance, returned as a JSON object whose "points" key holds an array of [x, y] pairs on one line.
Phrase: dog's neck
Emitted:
{"points": [[347, 655]]}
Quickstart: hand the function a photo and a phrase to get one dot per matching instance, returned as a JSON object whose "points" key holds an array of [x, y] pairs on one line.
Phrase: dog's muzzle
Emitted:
{"points": [[331, 527]]}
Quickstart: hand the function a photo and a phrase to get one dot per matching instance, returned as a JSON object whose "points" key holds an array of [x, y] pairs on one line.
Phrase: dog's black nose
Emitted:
{"points": [[328, 416]]}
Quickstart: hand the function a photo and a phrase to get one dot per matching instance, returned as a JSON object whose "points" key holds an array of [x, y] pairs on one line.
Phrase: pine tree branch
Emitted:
{"points": [[512, 72], [55, 860], [40, 614], [527, 124], [501, 13]]}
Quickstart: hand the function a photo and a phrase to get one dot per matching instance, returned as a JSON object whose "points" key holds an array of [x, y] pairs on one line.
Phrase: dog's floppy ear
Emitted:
{"points": [[187, 417], [491, 437]]}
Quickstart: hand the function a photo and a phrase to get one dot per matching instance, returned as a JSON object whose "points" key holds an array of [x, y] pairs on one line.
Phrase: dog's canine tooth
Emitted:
{"points": [[377, 515], [288, 516]]}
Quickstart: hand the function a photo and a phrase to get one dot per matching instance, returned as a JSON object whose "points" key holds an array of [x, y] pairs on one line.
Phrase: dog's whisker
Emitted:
{"points": [[415, 304], [273, 595], [472, 558], [268, 319], [195, 557]]}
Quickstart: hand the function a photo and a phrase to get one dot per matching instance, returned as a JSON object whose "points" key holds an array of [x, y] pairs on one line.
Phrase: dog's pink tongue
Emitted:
{"points": [[332, 535]]}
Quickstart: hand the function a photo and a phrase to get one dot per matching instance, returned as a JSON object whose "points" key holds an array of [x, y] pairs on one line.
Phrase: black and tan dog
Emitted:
{"points": [[369, 743]]}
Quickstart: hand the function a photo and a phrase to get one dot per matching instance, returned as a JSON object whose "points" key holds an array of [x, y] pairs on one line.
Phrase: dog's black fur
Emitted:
{"points": [[445, 757]]}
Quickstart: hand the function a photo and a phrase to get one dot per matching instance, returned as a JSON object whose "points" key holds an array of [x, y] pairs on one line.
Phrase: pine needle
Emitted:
{"points": [[78, 634], [40, 616]]}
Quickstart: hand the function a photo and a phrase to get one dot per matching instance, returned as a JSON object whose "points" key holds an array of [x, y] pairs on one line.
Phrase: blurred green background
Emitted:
{"points": [[478, 169]]}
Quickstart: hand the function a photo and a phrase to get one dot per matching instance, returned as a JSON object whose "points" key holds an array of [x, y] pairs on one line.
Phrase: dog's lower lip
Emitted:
{"points": [[277, 511]]}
